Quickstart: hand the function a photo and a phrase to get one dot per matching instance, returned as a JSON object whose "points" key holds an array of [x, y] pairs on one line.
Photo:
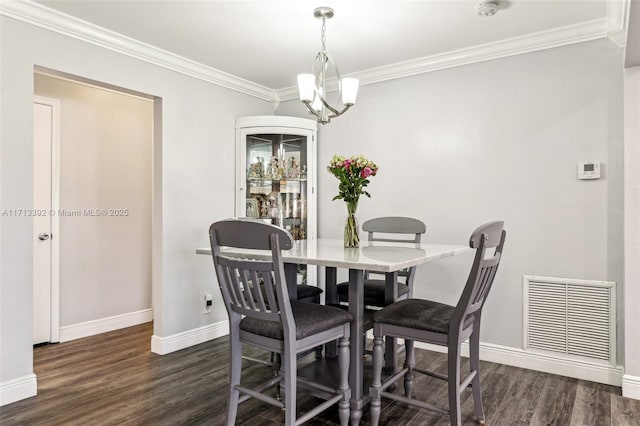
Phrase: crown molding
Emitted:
{"points": [[52, 20], [562, 36], [618, 21], [613, 27]]}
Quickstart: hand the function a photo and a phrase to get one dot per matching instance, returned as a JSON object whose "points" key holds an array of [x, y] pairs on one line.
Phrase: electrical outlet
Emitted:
{"points": [[208, 303]]}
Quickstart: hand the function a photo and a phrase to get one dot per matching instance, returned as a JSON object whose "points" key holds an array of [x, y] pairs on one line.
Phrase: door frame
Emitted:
{"points": [[53, 213]]}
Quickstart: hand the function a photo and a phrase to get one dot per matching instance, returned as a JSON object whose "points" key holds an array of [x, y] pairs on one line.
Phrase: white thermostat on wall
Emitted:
{"points": [[589, 170]]}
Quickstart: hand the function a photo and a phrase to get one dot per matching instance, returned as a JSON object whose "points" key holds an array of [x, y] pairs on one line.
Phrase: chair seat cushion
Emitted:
{"points": [[373, 292], [418, 314], [308, 291], [310, 318]]}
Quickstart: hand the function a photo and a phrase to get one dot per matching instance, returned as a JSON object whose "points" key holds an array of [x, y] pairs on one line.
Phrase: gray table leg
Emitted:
{"points": [[391, 345], [291, 275], [331, 297], [356, 307], [331, 279]]}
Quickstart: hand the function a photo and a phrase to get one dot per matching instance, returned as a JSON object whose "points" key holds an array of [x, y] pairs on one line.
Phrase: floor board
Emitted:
{"points": [[113, 379]]}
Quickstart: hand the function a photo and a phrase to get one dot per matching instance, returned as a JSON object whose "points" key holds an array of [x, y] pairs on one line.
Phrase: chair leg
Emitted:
{"points": [[235, 369], [364, 344], [453, 370], [376, 386], [409, 363], [474, 361], [289, 362], [276, 359], [343, 361], [318, 349]]}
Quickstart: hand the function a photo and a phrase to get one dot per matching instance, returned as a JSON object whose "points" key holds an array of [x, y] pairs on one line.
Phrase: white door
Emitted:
{"points": [[45, 291]]}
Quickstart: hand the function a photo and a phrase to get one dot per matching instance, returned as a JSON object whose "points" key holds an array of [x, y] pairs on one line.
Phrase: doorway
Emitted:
{"points": [[103, 212], [46, 137]]}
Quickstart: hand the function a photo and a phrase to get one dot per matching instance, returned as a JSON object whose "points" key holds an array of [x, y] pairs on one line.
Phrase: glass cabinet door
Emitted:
{"points": [[276, 180]]}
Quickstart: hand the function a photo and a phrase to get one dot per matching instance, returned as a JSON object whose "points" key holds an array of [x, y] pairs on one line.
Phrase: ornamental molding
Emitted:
{"points": [[613, 27], [557, 37], [52, 20]]}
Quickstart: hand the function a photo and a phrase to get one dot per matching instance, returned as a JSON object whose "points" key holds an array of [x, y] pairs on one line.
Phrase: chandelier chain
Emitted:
{"points": [[324, 38]]}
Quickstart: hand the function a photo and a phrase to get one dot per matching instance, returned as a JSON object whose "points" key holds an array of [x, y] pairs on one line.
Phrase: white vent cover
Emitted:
{"points": [[576, 318]]}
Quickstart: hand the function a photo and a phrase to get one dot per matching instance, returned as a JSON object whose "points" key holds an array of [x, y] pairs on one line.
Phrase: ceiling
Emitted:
{"points": [[269, 42]]}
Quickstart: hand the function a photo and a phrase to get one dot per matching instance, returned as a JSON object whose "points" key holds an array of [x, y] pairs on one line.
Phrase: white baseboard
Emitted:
{"points": [[544, 362], [631, 386], [17, 389], [102, 325], [165, 345]]}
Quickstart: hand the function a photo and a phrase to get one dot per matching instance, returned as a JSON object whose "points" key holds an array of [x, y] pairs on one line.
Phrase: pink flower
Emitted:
{"points": [[366, 172], [347, 163]]}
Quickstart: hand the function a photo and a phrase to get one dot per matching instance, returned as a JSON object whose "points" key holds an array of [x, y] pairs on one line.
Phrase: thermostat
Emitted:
{"points": [[589, 170]]}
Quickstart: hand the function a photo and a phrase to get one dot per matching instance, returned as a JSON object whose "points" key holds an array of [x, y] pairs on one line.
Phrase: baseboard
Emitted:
{"points": [[165, 345], [544, 362], [17, 389], [102, 325], [631, 386]]}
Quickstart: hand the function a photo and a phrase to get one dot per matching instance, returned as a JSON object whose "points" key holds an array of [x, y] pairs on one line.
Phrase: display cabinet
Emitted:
{"points": [[276, 174]]}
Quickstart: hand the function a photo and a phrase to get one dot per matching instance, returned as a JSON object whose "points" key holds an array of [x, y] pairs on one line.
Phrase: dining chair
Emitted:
{"points": [[387, 229], [305, 293], [272, 321], [443, 325]]}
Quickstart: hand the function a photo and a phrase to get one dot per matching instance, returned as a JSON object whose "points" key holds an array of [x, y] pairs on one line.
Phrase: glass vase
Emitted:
{"points": [[351, 238]]}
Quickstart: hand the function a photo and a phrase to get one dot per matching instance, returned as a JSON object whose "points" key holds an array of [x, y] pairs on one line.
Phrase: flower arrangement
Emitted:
{"points": [[353, 173]]}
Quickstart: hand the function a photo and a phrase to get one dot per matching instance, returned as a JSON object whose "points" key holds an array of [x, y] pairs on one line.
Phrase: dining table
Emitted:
{"points": [[387, 258]]}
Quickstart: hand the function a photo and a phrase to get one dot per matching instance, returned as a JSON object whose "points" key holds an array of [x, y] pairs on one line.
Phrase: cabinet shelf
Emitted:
{"points": [[265, 180]]}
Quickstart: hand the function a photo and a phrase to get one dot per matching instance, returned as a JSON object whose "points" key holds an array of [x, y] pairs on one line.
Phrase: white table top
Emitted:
{"points": [[372, 256]]}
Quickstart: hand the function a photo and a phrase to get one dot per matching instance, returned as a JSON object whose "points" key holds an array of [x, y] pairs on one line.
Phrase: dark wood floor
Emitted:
{"points": [[113, 379]]}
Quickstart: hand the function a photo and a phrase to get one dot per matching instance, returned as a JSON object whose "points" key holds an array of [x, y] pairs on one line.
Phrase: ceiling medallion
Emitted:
{"points": [[487, 8]]}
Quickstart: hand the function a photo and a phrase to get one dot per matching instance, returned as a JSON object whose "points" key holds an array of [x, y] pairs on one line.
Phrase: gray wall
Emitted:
{"points": [[105, 161], [195, 183], [632, 223], [494, 140]]}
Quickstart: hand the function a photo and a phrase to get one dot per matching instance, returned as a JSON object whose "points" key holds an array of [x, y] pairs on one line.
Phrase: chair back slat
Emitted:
{"points": [[237, 285], [230, 288], [249, 281], [483, 271], [245, 283], [257, 293], [269, 290]]}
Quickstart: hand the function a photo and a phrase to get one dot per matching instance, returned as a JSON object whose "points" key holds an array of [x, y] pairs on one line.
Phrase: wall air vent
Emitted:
{"points": [[576, 318]]}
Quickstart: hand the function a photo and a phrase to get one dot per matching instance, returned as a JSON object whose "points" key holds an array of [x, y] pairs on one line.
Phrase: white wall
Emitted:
{"points": [[494, 140], [105, 154], [632, 231], [197, 175]]}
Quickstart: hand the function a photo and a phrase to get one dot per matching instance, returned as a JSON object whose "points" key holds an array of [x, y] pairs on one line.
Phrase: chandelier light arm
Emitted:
{"points": [[323, 118], [329, 107], [311, 110]]}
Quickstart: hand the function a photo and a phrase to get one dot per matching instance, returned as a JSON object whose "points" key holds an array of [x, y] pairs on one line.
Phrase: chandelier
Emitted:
{"points": [[313, 88]]}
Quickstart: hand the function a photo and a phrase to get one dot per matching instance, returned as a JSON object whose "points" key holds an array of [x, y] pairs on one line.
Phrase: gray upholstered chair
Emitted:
{"points": [[264, 317], [440, 324], [387, 229]]}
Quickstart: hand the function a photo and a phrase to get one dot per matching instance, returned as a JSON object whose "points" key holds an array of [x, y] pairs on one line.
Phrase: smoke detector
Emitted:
{"points": [[487, 8]]}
